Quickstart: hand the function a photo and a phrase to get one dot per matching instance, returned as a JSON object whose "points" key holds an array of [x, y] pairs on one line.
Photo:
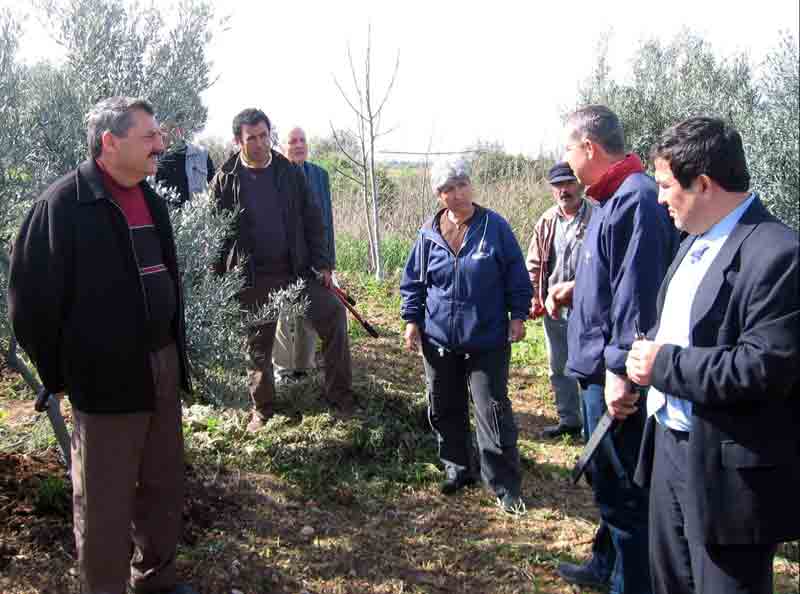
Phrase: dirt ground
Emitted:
{"points": [[258, 533]]}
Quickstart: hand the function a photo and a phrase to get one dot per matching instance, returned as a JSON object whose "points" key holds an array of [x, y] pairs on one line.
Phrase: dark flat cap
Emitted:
{"points": [[560, 172]]}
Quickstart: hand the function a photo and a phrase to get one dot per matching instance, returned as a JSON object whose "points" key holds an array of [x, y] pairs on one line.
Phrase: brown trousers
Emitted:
{"points": [[127, 481], [328, 318]]}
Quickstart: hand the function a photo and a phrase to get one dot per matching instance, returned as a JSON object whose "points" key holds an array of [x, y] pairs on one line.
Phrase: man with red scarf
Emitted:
{"points": [[629, 245]]}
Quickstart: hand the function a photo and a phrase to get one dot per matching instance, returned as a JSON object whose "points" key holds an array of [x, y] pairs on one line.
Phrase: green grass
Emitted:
{"points": [[531, 350], [352, 254]]}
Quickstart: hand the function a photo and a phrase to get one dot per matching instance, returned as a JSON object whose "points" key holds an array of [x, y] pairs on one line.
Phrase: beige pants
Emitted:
{"points": [[295, 343], [127, 490]]}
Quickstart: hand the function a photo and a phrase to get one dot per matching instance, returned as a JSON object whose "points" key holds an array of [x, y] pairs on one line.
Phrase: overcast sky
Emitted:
{"points": [[491, 70]]}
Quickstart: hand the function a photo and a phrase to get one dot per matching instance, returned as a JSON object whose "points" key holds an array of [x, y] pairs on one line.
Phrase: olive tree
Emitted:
{"points": [[776, 163], [685, 77], [117, 48]]}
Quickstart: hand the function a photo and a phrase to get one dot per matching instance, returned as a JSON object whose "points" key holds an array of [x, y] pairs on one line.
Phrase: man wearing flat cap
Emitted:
{"points": [[551, 262]]}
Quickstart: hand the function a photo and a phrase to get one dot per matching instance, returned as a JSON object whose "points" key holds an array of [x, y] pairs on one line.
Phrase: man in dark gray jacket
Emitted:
{"points": [[278, 236]]}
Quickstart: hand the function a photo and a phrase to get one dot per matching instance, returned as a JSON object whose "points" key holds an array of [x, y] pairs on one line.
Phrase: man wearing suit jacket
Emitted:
{"points": [[721, 449], [296, 340]]}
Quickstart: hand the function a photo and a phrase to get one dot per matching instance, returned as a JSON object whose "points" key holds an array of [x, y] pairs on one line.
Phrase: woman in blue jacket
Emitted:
{"points": [[466, 294]]}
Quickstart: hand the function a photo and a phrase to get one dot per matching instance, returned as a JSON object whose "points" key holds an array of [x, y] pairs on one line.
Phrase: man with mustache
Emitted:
{"points": [[551, 262], [295, 340], [95, 300], [278, 235]]}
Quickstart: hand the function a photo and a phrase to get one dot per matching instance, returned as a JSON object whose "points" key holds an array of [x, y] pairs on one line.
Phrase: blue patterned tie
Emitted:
{"points": [[695, 256]]}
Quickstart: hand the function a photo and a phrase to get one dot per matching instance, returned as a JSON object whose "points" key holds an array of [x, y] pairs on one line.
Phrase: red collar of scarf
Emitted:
{"points": [[612, 179]]}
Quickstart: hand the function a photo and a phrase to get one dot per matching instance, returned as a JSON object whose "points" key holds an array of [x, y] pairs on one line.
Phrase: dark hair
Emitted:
{"points": [[601, 125], [704, 145], [115, 115], [249, 117]]}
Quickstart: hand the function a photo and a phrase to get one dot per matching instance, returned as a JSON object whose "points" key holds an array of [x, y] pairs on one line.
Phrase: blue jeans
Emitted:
{"points": [[568, 399], [623, 506]]}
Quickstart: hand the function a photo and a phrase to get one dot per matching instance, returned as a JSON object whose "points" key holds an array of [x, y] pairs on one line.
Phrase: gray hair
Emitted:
{"points": [[601, 125], [115, 115], [447, 170], [285, 136]]}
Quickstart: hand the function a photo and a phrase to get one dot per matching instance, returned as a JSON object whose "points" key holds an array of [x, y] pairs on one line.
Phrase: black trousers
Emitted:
{"points": [[678, 566], [452, 378]]}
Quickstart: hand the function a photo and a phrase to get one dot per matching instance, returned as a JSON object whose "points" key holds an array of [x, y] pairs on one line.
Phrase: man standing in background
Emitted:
{"points": [[551, 262], [184, 167], [295, 339], [278, 235], [629, 244]]}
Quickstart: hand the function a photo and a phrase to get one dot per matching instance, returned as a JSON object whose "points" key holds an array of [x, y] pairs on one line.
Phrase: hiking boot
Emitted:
{"points": [[257, 421], [453, 484], [512, 504]]}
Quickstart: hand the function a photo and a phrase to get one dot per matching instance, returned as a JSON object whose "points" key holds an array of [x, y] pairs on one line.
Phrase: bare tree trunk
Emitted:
{"points": [[371, 124], [368, 118], [371, 237], [375, 215]]}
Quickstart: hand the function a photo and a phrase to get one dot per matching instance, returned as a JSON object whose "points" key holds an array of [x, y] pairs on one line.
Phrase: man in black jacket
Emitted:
{"points": [[278, 235], [95, 300], [721, 449]]}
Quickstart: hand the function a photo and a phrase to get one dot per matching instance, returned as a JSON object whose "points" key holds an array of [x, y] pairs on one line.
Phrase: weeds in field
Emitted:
{"points": [[52, 496]]}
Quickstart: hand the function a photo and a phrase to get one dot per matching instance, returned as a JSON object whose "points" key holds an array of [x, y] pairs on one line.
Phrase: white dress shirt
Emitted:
{"points": [[675, 323]]}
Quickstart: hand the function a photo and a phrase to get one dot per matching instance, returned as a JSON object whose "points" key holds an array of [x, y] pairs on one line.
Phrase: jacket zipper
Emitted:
{"points": [[135, 260], [455, 286]]}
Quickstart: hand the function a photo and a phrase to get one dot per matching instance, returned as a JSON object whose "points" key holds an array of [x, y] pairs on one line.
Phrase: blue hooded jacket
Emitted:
{"points": [[462, 302], [629, 245]]}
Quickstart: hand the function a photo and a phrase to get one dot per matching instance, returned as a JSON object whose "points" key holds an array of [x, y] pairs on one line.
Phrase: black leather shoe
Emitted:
{"points": [[453, 484], [555, 431], [581, 575]]}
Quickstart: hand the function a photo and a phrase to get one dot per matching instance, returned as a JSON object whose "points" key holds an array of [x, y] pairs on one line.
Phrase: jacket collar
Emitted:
{"points": [[710, 285], [432, 224], [92, 188], [90, 183], [234, 163]]}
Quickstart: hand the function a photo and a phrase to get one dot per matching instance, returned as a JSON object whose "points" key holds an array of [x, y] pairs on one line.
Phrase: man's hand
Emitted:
{"points": [[537, 310], [412, 338], [620, 399], [325, 278], [562, 293], [550, 306], [639, 364], [516, 330], [559, 295]]}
